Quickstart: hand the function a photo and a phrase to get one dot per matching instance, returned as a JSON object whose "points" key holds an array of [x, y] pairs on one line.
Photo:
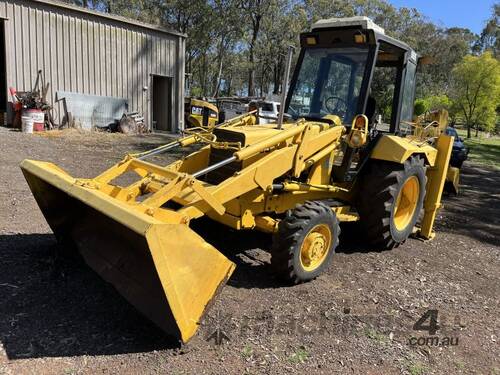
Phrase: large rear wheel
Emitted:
{"points": [[390, 200], [305, 242]]}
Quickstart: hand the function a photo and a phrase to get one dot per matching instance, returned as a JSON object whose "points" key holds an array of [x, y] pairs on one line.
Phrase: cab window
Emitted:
{"points": [[408, 92]]}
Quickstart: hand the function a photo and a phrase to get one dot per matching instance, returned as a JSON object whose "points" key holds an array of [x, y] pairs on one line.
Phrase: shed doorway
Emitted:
{"points": [[162, 103], [3, 71]]}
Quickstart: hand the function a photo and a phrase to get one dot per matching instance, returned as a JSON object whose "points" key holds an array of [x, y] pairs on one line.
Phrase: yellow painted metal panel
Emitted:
{"points": [[453, 179], [166, 271], [115, 209], [191, 272], [398, 149], [436, 177]]}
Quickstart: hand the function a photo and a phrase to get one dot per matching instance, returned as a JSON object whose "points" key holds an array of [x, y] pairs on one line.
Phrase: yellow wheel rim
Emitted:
{"points": [[406, 203], [315, 247]]}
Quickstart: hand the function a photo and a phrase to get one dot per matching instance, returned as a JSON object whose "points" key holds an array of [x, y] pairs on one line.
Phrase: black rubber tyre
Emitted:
{"points": [[310, 220], [457, 164], [377, 202]]}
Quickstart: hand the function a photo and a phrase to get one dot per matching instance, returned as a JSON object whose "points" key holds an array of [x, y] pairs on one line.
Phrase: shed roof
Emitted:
{"points": [[116, 18]]}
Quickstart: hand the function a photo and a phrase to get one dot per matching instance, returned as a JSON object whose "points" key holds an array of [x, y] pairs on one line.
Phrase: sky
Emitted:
{"points": [[471, 14]]}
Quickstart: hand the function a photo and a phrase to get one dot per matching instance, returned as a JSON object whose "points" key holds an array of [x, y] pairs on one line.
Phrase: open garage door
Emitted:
{"points": [[162, 103], [3, 69]]}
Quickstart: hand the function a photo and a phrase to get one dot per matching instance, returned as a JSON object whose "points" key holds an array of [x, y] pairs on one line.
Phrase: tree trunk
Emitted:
{"points": [[468, 130], [219, 76], [276, 83], [251, 70], [251, 75], [477, 130], [263, 89], [277, 76], [221, 48], [251, 58], [229, 84], [204, 75]]}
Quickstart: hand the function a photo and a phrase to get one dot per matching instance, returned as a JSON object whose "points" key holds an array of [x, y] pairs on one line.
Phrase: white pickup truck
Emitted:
{"points": [[268, 110]]}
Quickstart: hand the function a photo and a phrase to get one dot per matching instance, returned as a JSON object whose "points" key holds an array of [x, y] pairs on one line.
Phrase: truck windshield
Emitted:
{"points": [[329, 82]]}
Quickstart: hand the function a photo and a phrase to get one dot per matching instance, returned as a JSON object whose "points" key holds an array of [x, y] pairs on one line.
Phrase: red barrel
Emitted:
{"points": [[38, 118]]}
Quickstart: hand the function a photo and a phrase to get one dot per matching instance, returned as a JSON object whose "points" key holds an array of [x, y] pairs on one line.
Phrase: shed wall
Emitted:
{"points": [[85, 53]]}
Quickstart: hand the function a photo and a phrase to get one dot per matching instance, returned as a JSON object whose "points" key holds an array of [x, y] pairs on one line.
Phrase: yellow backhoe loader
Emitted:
{"points": [[323, 162], [200, 113]]}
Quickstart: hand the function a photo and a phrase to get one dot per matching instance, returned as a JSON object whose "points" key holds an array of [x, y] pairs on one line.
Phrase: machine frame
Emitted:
{"points": [[296, 180]]}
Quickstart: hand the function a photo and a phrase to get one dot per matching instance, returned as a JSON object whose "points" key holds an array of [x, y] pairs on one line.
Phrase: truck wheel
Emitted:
{"points": [[390, 200], [305, 242]]}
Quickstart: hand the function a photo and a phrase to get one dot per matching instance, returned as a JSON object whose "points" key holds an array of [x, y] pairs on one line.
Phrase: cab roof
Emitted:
{"points": [[363, 22], [342, 28]]}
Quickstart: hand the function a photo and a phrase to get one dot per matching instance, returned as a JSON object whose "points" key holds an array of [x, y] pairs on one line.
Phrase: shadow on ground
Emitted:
{"points": [[57, 309], [475, 212], [249, 250], [66, 310]]}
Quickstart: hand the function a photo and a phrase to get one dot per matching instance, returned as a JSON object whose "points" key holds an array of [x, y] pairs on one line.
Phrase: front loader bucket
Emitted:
{"points": [[166, 271]]}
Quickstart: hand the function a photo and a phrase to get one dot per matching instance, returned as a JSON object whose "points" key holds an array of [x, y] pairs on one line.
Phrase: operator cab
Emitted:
{"points": [[348, 67]]}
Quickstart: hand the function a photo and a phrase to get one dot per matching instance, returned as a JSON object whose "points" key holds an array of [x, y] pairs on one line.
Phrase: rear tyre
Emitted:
{"points": [[390, 201], [305, 242]]}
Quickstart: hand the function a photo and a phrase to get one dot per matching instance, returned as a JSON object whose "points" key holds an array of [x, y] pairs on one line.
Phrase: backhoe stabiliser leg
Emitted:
{"points": [[436, 177]]}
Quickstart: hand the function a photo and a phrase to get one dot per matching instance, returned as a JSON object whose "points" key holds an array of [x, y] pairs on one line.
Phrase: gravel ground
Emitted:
{"points": [[357, 318]]}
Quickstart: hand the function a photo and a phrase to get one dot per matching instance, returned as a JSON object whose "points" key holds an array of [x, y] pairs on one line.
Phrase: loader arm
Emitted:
{"points": [[132, 237]]}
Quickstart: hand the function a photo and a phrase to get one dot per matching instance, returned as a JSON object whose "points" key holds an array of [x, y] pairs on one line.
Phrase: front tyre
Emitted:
{"points": [[305, 242]]}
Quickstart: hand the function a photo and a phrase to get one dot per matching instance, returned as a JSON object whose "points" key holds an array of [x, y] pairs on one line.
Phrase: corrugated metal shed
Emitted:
{"points": [[93, 53]]}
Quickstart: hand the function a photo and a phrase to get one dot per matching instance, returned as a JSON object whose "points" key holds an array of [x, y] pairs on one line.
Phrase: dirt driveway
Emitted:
{"points": [[358, 318]]}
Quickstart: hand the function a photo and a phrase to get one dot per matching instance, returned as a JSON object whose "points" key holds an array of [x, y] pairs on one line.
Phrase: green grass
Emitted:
{"points": [[247, 351], [483, 150], [460, 365], [416, 368], [375, 335], [300, 356]]}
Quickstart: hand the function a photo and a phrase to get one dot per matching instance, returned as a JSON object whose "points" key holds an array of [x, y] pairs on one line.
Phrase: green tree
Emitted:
{"points": [[255, 10], [238, 46], [227, 31], [490, 36], [476, 90], [435, 102], [420, 107], [279, 30]]}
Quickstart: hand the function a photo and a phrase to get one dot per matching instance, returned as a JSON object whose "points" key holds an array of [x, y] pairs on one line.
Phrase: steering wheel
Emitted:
{"points": [[336, 105]]}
